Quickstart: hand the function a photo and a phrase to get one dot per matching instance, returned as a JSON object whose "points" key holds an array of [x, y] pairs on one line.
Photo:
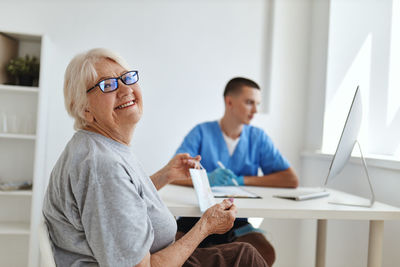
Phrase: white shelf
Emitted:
{"points": [[17, 88], [23, 156], [14, 228], [18, 136], [24, 193]]}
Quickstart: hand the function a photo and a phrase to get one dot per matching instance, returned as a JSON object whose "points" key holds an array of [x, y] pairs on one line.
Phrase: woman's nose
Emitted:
{"points": [[124, 89]]}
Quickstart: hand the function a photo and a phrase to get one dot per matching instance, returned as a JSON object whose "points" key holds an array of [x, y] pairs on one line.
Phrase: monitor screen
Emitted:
{"points": [[348, 137]]}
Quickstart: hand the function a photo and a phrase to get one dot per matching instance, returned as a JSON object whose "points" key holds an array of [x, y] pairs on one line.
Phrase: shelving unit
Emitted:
{"points": [[16, 89], [18, 136], [20, 193], [14, 228], [22, 150]]}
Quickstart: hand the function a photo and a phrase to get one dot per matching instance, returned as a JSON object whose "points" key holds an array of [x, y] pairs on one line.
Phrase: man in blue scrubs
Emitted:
{"points": [[242, 149]]}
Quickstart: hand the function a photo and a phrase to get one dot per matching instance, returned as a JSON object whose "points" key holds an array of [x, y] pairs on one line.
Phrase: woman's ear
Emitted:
{"points": [[89, 118]]}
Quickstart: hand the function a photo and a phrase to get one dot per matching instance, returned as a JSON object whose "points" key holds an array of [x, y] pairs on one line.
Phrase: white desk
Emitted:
{"points": [[182, 202]]}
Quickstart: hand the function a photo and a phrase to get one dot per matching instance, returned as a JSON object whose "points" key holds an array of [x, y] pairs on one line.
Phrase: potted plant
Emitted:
{"points": [[25, 70]]}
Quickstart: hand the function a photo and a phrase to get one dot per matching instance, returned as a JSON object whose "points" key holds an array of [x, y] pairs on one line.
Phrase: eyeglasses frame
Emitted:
{"points": [[118, 78]]}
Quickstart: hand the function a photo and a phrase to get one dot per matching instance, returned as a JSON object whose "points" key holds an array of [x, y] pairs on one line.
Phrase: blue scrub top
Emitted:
{"points": [[254, 149]]}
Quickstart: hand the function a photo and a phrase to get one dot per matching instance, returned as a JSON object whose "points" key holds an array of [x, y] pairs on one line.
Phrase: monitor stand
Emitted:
{"points": [[372, 198]]}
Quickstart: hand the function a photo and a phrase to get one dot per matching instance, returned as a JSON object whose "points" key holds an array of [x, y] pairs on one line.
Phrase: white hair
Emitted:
{"points": [[79, 76]]}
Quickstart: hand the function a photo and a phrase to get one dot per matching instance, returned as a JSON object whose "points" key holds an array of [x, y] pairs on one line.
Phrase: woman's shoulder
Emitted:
{"points": [[87, 152], [81, 147], [86, 142], [88, 163]]}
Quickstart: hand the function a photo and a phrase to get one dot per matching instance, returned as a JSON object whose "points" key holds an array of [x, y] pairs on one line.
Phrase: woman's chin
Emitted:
{"points": [[135, 118]]}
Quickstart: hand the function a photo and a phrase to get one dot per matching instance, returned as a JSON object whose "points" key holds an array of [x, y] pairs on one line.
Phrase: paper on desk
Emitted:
{"points": [[232, 191]]}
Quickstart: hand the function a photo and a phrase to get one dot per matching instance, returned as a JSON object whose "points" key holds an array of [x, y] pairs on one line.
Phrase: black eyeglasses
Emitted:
{"points": [[111, 84]]}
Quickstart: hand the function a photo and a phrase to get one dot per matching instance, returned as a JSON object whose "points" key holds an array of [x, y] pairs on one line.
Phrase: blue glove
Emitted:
{"points": [[239, 180], [231, 177], [221, 176]]}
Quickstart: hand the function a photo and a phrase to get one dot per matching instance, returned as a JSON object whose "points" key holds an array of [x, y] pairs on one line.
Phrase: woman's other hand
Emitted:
{"points": [[219, 218]]}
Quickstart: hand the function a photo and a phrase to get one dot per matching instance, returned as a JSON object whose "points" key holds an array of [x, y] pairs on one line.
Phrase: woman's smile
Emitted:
{"points": [[126, 104]]}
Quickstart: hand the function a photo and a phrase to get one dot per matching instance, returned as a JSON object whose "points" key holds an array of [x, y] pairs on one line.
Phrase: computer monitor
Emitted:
{"points": [[348, 138], [343, 152], [346, 144]]}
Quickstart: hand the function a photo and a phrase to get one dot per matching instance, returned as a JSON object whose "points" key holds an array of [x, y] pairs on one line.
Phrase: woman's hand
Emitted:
{"points": [[219, 218], [176, 169], [216, 220]]}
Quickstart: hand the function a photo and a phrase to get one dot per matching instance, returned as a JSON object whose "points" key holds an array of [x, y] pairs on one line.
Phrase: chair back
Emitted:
{"points": [[45, 246]]}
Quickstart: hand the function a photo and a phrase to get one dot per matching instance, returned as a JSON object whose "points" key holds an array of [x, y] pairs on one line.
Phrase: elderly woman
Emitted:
{"points": [[100, 207]]}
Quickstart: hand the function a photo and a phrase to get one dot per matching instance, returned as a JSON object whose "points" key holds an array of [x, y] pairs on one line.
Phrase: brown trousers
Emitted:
{"points": [[259, 242], [255, 239], [235, 254]]}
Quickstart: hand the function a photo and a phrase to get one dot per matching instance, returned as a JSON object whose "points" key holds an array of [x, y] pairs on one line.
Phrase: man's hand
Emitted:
{"points": [[222, 176]]}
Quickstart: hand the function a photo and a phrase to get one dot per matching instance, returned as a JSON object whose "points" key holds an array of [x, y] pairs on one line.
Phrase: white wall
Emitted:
{"points": [[185, 52], [286, 119], [359, 54], [350, 23]]}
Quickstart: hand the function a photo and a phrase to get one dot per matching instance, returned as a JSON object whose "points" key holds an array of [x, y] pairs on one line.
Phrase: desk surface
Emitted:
{"points": [[182, 201]]}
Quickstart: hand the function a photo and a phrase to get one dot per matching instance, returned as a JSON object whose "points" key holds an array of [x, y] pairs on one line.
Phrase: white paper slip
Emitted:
{"points": [[303, 195], [232, 192], [202, 188]]}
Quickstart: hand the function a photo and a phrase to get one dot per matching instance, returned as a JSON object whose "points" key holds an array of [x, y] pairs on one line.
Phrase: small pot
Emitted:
{"points": [[25, 80]]}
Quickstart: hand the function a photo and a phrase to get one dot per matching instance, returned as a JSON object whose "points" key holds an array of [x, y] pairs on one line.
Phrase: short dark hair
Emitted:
{"points": [[234, 86]]}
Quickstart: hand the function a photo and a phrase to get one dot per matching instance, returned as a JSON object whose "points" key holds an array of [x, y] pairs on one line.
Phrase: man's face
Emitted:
{"points": [[244, 105]]}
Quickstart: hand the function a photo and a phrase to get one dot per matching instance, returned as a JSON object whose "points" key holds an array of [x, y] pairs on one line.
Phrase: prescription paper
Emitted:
{"points": [[202, 188]]}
